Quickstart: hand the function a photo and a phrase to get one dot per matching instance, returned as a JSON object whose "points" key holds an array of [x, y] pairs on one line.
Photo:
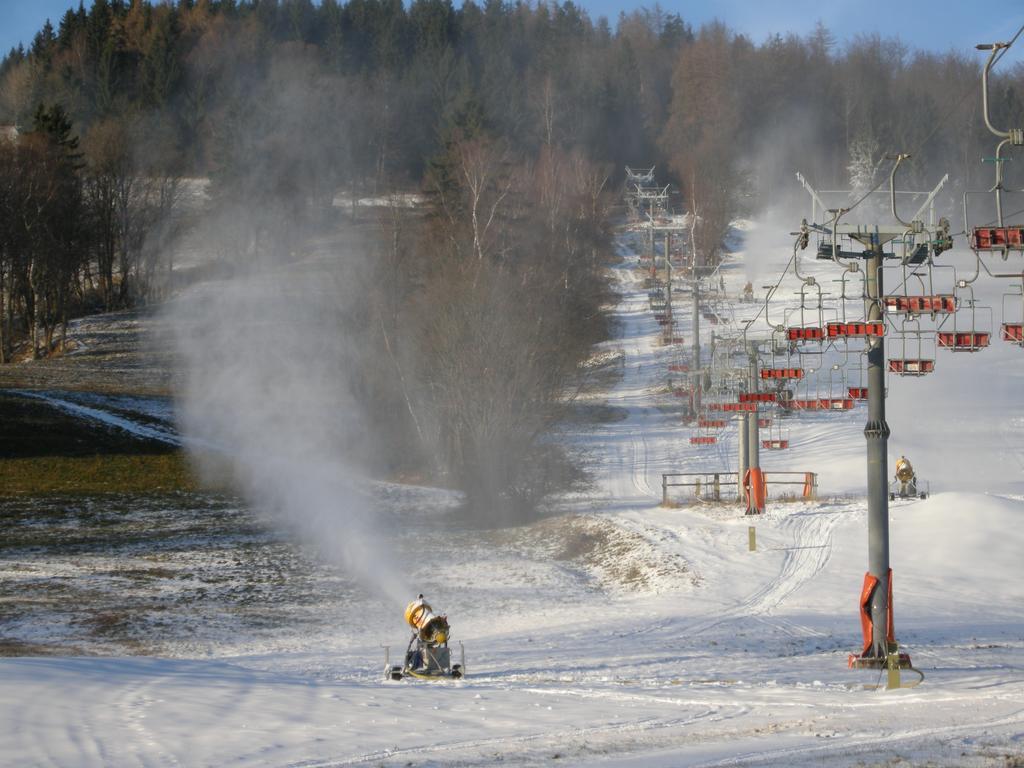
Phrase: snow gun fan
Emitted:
{"points": [[427, 655]]}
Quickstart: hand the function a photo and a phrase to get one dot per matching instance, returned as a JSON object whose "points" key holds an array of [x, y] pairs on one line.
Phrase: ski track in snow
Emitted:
{"points": [[861, 745], [476, 745]]}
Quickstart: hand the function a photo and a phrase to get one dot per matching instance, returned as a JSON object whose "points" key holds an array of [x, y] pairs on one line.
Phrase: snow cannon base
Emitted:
{"points": [[908, 490], [426, 662]]}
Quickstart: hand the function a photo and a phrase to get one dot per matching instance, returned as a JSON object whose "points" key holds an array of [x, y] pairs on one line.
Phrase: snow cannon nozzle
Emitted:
{"points": [[429, 628]]}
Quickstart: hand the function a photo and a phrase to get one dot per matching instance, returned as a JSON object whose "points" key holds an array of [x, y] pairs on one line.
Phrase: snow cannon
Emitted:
{"points": [[427, 656], [905, 485]]}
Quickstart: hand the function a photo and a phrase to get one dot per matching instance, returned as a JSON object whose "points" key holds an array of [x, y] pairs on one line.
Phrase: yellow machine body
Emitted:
{"points": [[904, 471], [430, 628]]}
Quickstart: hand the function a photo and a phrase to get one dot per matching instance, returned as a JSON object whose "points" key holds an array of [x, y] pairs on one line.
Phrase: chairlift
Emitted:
{"points": [[858, 391], [703, 440], [758, 397], [810, 327], [1000, 239], [968, 341], [733, 407], [837, 397], [916, 305], [704, 435], [855, 330], [804, 333], [706, 423], [838, 392], [918, 366], [1013, 333], [907, 355], [916, 293], [777, 440], [843, 328], [821, 404], [996, 236], [1012, 329], [780, 370], [777, 374], [970, 338], [802, 398]]}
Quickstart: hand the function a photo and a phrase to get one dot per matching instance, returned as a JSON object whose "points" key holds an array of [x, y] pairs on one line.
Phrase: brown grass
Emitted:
{"points": [[117, 473], [14, 648]]}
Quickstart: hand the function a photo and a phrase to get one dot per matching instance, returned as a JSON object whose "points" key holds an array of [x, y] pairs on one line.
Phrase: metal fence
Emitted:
{"points": [[719, 486]]}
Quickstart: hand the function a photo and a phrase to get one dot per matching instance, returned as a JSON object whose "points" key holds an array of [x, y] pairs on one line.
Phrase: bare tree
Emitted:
{"points": [[701, 133]]}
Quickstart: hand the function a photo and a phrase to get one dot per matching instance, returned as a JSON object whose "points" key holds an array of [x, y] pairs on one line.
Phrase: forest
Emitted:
{"points": [[131, 126]]}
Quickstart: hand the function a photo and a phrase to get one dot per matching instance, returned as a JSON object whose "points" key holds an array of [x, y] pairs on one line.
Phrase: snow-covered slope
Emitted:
{"points": [[626, 634]]}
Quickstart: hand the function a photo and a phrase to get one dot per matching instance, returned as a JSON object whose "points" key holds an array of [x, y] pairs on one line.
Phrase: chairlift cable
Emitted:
{"points": [[1008, 46]]}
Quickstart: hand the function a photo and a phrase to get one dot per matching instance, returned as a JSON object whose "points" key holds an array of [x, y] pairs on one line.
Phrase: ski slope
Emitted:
{"points": [[667, 645]]}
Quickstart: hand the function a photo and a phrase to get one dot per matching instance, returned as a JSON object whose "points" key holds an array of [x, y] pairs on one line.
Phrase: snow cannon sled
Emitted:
{"points": [[905, 485], [427, 655]]}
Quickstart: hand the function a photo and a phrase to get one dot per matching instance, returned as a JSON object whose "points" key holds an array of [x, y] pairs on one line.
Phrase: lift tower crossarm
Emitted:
{"points": [[931, 197], [869, 236], [814, 195], [640, 174]]}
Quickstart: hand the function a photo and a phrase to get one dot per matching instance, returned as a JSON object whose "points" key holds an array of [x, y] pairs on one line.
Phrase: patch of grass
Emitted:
{"points": [[98, 474], [11, 648], [30, 428]]}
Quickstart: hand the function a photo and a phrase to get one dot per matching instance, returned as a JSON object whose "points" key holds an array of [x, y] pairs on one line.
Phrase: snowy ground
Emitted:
{"points": [[618, 634]]}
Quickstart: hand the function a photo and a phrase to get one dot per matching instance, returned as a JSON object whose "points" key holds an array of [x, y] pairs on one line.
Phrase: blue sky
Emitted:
{"points": [[938, 25]]}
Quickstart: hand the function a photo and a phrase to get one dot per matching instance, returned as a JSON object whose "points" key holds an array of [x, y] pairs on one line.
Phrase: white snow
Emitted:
{"points": [[100, 411], [679, 648], [399, 200]]}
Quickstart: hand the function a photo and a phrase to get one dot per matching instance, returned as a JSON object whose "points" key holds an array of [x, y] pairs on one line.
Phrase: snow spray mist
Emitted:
{"points": [[263, 383]]}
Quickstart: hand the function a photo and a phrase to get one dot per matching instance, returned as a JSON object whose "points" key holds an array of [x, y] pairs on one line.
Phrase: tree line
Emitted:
{"points": [[727, 117], [512, 119], [81, 226]]}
